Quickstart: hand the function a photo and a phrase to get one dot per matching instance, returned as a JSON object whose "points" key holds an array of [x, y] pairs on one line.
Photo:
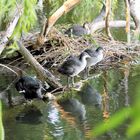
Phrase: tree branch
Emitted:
{"points": [[11, 27], [66, 7], [43, 74], [127, 20], [108, 7], [134, 13], [2, 65], [101, 25]]}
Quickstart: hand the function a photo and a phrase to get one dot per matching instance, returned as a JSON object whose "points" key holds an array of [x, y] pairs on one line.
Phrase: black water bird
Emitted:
{"points": [[30, 87], [78, 30], [95, 57], [73, 66]]}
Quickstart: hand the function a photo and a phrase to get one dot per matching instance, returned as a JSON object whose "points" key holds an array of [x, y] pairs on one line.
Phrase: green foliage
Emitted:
{"points": [[113, 122], [6, 11], [135, 116], [53, 6], [84, 11], [1, 125], [26, 22], [10, 51], [28, 18]]}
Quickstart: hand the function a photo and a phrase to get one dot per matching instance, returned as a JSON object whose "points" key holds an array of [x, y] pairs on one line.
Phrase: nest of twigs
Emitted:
{"points": [[59, 46]]}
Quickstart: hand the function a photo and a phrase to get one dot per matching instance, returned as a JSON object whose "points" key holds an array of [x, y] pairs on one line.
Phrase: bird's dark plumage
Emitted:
{"points": [[78, 30], [30, 87], [74, 65]]}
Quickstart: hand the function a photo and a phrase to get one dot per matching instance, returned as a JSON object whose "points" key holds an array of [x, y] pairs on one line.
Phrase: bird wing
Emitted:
{"points": [[30, 83], [68, 67]]}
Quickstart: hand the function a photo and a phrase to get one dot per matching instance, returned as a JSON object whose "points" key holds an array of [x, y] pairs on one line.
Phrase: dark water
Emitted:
{"points": [[76, 116]]}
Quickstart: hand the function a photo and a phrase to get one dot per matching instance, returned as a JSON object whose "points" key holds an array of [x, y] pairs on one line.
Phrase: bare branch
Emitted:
{"points": [[66, 7], [8, 68], [43, 74], [117, 23], [11, 27], [134, 11], [127, 21], [108, 7]]}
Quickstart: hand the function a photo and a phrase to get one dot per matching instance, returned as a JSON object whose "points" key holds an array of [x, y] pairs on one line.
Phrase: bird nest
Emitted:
{"points": [[59, 46]]}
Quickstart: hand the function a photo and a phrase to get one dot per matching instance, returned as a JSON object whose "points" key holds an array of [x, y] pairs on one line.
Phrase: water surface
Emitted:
{"points": [[76, 116]]}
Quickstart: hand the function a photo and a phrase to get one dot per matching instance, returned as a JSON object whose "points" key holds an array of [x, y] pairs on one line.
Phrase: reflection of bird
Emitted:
{"points": [[74, 65], [29, 115], [95, 57], [30, 87], [74, 107], [90, 96], [78, 30]]}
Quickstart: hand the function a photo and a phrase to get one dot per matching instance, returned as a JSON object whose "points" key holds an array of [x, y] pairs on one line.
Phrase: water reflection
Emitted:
{"points": [[30, 115], [73, 118], [63, 119], [119, 91], [125, 83], [106, 104], [75, 108], [7, 92], [3, 96], [90, 96], [52, 115]]}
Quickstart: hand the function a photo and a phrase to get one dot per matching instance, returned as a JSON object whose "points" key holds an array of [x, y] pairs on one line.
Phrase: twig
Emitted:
{"points": [[9, 69], [43, 74]]}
